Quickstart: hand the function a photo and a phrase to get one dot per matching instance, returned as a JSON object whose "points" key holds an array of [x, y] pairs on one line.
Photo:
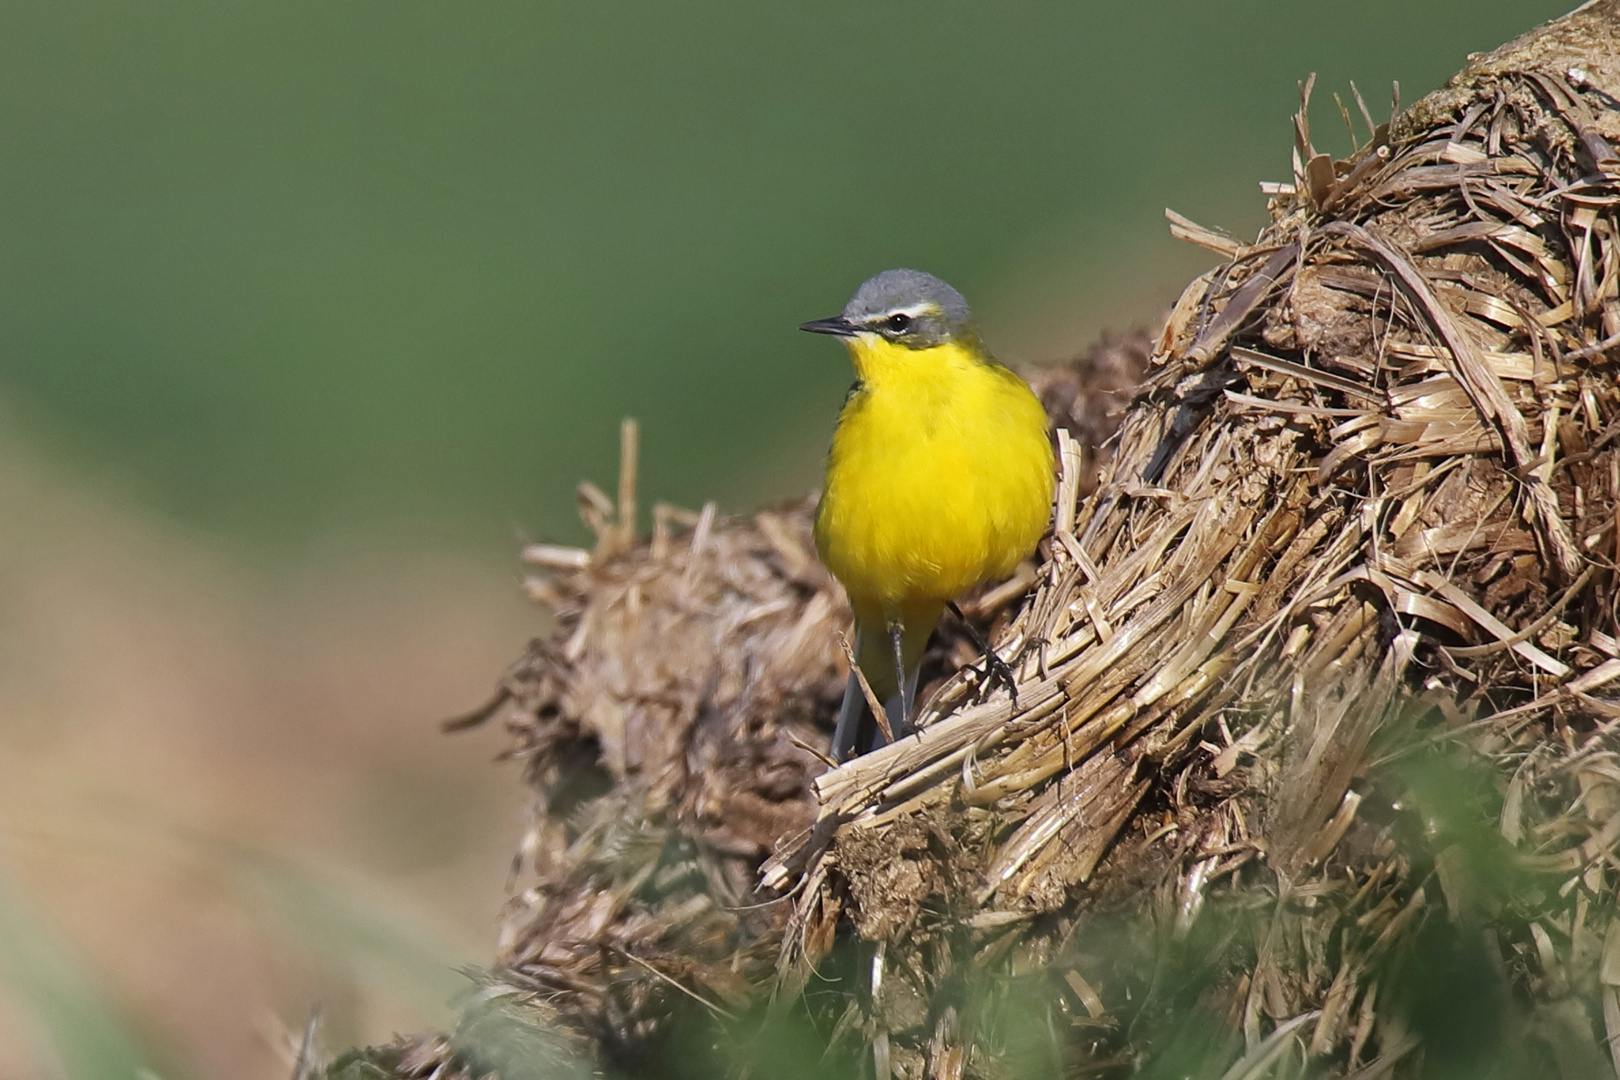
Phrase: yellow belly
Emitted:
{"points": [[939, 478]]}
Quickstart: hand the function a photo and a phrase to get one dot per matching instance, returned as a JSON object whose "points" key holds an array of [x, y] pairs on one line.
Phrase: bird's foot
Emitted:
{"points": [[995, 669]]}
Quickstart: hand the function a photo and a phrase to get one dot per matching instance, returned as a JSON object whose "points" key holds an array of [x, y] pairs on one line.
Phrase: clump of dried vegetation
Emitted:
{"points": [[1312, 766]]}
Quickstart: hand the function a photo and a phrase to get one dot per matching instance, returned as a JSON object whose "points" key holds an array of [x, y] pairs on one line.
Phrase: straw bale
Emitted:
{"points": [[671, 727], [1311, 768], [667, 755]]}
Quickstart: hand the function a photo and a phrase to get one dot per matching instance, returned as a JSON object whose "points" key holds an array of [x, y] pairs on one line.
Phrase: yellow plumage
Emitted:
{"points": [[939, 478]]}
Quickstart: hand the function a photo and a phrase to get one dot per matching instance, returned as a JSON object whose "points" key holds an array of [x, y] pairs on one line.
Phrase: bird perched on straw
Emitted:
{"points": [[939, 479]]}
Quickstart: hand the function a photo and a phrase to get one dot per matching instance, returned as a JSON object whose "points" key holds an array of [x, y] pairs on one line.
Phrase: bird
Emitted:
{"points": [[939, 478]]}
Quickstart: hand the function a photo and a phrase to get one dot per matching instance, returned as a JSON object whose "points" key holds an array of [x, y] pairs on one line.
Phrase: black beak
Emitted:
{"points": [[838, 326]]}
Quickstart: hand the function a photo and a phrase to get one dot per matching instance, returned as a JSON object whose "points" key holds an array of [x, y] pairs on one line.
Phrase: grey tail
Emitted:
{"points": [[857, 731]]}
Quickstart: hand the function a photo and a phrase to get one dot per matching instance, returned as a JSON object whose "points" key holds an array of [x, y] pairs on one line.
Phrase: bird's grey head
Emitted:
{"points": [[908, 307]]}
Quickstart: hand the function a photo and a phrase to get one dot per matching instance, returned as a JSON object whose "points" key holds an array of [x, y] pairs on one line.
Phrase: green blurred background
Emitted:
{"points": [[308, 309], [301, 265]]}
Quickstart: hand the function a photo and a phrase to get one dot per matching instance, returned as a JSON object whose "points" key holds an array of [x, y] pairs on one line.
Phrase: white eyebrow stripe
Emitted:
{"points": [[923, 307]]}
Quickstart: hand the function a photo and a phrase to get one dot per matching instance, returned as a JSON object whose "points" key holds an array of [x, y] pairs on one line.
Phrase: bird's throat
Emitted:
{"points": [[880, 362]]}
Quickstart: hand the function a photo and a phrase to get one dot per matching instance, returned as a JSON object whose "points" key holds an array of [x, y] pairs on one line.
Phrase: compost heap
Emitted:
{"points": [[1311, 764]]}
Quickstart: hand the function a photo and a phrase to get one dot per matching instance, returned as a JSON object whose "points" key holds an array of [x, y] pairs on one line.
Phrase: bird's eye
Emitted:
{"points": [[898, 322]]}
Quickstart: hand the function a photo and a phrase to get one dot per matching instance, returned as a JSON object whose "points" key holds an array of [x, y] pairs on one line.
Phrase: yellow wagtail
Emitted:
{"points": [[939, 478]]}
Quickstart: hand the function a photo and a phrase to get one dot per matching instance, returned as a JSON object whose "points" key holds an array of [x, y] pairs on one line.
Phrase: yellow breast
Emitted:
{"points": [[939, 477]]}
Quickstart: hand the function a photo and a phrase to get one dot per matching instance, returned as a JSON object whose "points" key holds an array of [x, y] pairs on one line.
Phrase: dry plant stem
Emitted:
{"points": [[629, 466], [872, 702], [1484, 390]]}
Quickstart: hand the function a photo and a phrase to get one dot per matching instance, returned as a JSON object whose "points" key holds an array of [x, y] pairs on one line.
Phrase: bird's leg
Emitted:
{"points": [[897, 635], [996, 670]]}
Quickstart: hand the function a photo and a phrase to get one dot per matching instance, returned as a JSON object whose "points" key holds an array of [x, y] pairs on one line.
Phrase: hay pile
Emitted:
{"points": [[672, 728], [1312, 765]]}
